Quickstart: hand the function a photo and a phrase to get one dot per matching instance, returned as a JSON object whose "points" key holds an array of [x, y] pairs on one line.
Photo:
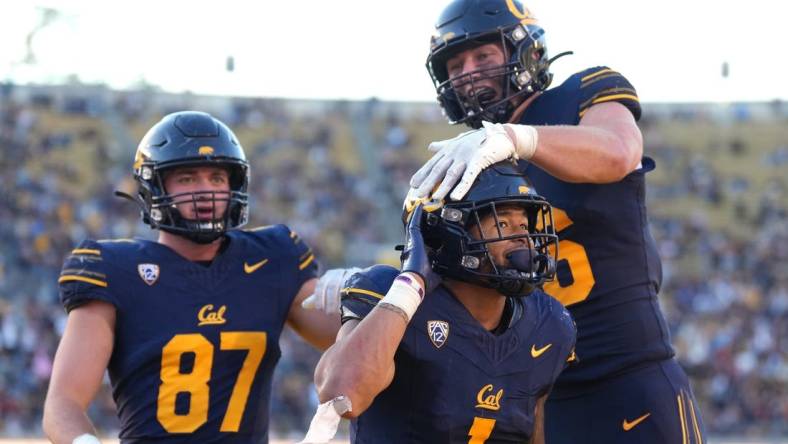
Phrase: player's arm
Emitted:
{"points": [[361, 363], [317, 327], [328, 290], [538, 435], [78, 369], [605, 146], [353, 371]]}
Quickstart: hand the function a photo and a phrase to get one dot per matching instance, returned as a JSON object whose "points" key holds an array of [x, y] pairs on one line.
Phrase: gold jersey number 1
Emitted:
{"points": [[195, 383], [481, 429]]}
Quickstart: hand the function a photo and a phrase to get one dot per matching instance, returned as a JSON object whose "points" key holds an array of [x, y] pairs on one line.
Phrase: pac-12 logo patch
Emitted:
{"points": [[439, 332], [149, 273]]}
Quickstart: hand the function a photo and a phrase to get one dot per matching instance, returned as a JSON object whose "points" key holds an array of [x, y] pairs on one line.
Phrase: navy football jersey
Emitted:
{"points": [[195, 346], [608, 270], [456, 382]]}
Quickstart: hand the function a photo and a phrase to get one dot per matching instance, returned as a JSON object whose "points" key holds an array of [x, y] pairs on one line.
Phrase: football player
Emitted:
{"points": [[579, 144], [188, 326], [474, 358]]}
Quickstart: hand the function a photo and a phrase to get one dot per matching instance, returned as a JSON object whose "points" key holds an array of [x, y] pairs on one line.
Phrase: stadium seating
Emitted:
{"points": [[336, 173]]}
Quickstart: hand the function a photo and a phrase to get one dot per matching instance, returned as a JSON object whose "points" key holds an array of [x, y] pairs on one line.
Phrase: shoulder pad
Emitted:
{"points": [[267, 231], [363, 290], [602, 84], [84, 275], [376, 279], [286, 240], [84, 264]]}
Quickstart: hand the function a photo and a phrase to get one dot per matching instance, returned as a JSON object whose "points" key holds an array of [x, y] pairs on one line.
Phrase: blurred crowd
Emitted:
{"points": [[334, 172], [724, 249]]}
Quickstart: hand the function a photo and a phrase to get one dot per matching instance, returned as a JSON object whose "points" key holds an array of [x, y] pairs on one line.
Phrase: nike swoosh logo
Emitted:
{"points": [[536, 352], [252, 268], [630, 425]]}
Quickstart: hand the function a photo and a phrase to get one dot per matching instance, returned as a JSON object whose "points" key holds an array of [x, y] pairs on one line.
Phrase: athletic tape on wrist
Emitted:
{"points": [[525, 139], [406, 294]]}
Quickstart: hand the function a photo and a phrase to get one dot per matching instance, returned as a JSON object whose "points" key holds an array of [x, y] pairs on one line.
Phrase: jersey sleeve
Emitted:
{"points": [[85, 276], [363, 290], [602, 84], [303, 258]]}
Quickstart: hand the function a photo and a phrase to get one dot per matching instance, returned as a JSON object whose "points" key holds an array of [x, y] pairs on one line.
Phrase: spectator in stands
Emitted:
{"points": [[45, 209]]}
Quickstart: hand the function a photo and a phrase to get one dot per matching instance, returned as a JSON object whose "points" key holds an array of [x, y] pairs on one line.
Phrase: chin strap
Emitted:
{"points": [[513, 286]]}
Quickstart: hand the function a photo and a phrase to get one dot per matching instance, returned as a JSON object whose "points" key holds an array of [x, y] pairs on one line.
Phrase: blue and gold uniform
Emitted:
{"points": [[195, 345], [608, 276], [456, 382]]}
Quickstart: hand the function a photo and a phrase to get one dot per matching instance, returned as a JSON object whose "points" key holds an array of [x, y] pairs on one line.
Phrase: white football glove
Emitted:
{"points": [[468, 154], [327, 290]]}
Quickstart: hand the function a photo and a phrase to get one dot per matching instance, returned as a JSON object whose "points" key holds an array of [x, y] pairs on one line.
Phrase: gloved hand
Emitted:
{"points": [[327, 295], [468, 154], [415, 255]]}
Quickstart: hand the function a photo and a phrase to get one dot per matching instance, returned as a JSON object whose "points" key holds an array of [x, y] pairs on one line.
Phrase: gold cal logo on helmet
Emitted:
{"points": [[205, 151], [525, 15]]}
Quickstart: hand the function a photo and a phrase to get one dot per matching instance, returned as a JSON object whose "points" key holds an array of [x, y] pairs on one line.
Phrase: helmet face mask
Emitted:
{"points": [[466, 24], [462, 249], [470, 256], [191, 140], [214, 210]]}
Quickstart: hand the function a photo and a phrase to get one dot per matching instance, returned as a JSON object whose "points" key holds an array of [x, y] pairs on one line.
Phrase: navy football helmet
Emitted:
{"points": [[456, 254], [190, 138], [465, 24]]}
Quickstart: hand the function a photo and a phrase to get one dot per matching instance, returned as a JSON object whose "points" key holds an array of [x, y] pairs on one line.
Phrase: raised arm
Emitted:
{"points": [[604, 147], [360, 364], [80, 362]]}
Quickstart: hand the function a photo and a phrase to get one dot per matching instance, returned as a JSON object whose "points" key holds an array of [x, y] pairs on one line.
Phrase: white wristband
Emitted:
{"points": [[525, 138], [405, 294], [87, 438]]}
